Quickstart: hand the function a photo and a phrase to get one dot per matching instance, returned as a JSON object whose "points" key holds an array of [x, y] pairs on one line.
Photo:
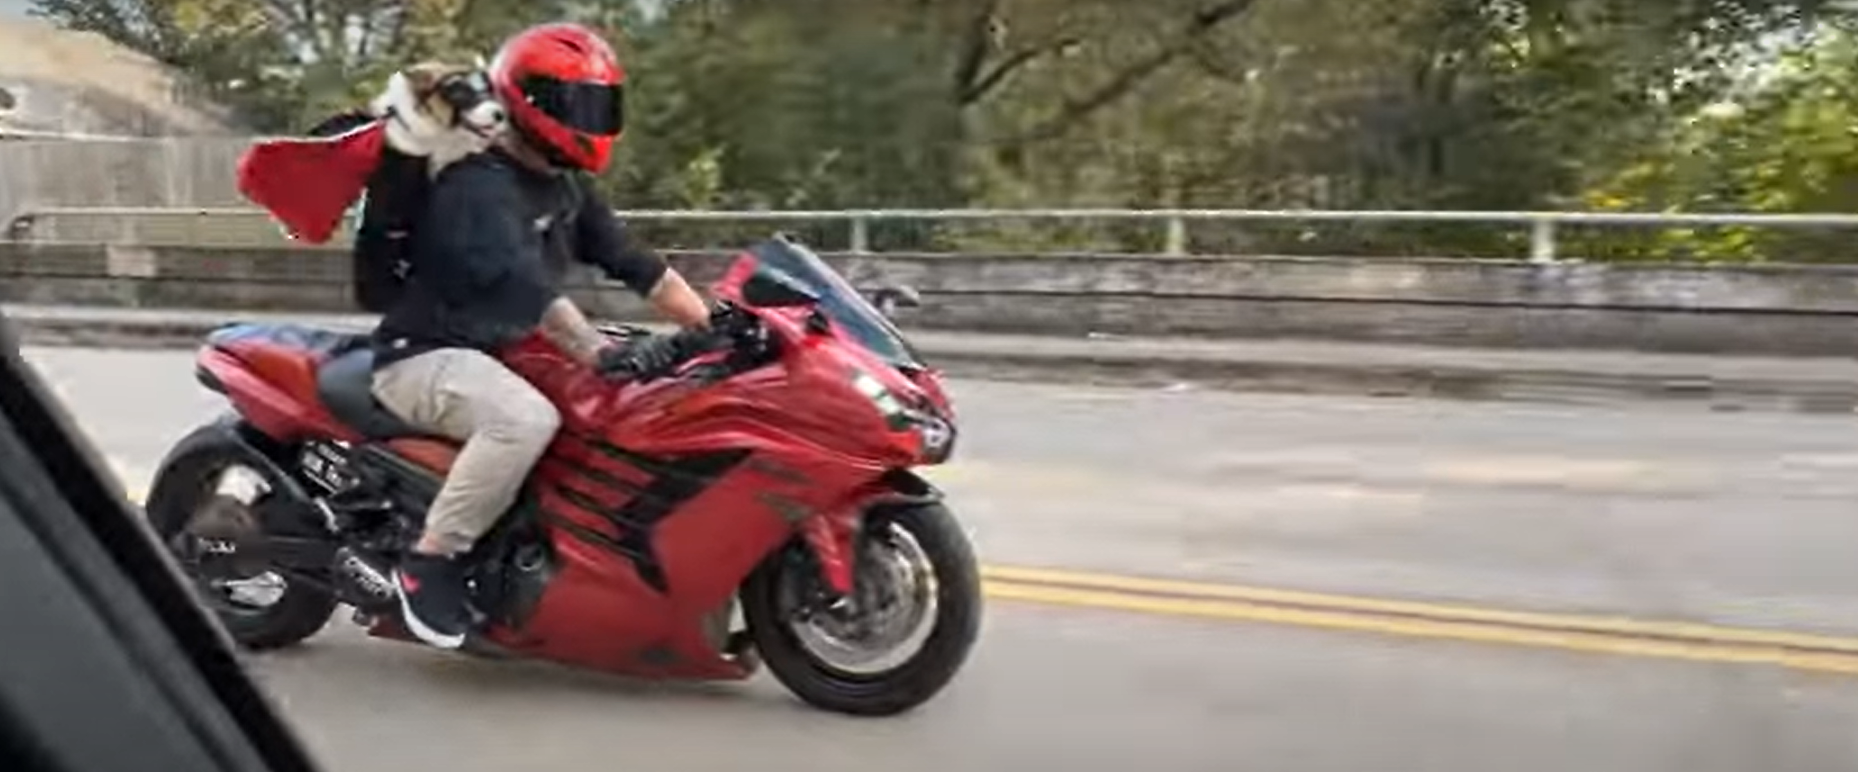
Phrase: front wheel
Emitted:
{"points": [[913, 616]]}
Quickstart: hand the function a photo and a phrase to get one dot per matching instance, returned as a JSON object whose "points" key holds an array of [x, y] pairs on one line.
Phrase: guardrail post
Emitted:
{"points": [[1542, 240], [1176, 245], [861, 235]]}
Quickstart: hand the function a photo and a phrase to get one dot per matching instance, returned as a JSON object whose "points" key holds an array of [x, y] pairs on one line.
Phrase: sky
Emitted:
{"points": [[11, 9]]}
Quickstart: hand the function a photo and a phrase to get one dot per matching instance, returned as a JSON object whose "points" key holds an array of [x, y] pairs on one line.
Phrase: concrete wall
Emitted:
{"points": [[136, 173], [44, 105], [1791, 311], [79, 82]]}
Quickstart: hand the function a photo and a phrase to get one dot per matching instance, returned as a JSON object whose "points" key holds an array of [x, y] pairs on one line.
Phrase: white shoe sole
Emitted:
{"points": [[418, 628]]}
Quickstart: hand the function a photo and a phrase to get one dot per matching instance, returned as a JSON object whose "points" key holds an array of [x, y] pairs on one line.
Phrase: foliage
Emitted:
{"points": [[1788, 144], [1375, 104]]}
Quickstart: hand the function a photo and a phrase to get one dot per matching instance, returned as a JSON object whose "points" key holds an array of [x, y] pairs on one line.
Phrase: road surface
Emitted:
{"points": [[1356, 584]]}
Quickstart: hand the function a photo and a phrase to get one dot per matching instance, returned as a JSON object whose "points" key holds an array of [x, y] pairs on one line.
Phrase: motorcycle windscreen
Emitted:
{"points": [[841, 303]]}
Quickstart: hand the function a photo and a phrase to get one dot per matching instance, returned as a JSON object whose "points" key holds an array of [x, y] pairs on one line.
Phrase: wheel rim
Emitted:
{"points": [[208, 544], [886, 621]]}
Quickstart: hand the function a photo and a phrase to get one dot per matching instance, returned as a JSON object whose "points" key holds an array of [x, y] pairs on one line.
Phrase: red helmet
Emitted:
{"points": [[564, 89]]}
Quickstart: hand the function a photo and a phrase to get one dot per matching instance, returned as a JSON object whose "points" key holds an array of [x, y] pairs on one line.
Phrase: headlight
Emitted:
{"points": [[937, 434], [896, 416]]}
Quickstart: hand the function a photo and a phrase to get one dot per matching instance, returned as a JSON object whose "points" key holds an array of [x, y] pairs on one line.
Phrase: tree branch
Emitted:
{"points": [[108, 19], [1216, 68], [288, 20], [397, 27], [1203, 23], [467, 10], [979, 88], [370, 31], [312, 26], [974, 46]]}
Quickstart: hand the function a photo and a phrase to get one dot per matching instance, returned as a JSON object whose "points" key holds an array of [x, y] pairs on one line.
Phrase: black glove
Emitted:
{"points": [[644, 359], [650, 358]]}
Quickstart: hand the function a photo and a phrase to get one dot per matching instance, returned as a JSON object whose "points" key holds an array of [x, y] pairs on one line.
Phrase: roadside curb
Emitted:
{"points": [[1427, 381], [1135, 368]]}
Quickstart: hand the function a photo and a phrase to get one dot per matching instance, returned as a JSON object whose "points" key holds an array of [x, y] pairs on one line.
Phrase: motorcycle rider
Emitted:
{"points": [[497, 229]]}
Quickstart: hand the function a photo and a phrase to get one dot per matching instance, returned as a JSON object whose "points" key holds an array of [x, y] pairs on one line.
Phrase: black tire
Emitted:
{"points": [[182, 486], [914, 681]]}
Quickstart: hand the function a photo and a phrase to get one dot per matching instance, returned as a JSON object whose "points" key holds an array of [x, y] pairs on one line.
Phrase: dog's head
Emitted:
{"points": [[432, 105], [460, 97]]}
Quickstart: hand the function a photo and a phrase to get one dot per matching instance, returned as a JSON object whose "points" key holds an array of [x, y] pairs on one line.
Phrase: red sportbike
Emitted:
{"points": [[768, 475]]}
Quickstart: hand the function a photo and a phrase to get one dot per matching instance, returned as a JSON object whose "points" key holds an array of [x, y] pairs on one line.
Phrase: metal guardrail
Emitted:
{"points": [[1542, 225], [19, 134]]}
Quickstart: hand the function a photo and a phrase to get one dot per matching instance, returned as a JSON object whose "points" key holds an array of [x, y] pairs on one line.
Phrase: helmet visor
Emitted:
{"points": [[594, 108]]}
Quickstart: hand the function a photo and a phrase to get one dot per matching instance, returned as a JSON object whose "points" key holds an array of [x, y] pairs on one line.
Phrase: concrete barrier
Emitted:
{"points": [[166, 172], [1802, 311]]}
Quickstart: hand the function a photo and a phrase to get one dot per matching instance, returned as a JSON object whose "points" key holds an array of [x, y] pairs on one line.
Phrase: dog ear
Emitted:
{"points": [[398, 90], [424, 75], [409, 129]]}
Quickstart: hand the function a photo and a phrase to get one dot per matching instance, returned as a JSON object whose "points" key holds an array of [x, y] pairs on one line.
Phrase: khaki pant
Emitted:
{"points": [[504, 423]]}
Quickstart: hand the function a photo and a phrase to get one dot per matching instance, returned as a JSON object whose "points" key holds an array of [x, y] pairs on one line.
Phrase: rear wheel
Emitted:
{"points": [[208, 507], [913, 616]]}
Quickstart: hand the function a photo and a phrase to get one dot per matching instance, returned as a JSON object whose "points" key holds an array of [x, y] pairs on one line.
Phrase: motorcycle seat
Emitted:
{"points": [[286, 355], [345, 384]]}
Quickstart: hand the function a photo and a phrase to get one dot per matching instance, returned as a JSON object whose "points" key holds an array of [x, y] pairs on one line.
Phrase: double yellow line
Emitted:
{"points": [[1598, 634], [1570, 632]]}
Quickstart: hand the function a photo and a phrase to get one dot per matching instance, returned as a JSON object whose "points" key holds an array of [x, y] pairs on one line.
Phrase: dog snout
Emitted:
{"points": [[487, 115], [490, 113]]}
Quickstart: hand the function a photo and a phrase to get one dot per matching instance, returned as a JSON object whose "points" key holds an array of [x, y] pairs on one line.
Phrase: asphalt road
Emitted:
{"points": [[1638, 521]]}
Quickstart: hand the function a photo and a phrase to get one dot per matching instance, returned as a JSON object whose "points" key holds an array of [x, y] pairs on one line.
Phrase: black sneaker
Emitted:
{"points": [[432, 599]]}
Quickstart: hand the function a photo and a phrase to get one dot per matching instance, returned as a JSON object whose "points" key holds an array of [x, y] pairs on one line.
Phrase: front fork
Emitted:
{"points": [[834, 541], [833, 535]]}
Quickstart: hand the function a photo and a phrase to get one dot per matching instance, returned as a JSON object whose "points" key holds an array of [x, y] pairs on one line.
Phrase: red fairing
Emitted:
{"points": [[308, 184], [274, 388], [657, 498]]}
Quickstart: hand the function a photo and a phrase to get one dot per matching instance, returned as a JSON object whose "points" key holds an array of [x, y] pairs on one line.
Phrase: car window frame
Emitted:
{"points": [[108, 661]]}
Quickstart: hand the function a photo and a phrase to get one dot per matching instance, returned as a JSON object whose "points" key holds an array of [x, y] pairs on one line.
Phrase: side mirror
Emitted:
{"points": [[770, 288], [891, 297]]}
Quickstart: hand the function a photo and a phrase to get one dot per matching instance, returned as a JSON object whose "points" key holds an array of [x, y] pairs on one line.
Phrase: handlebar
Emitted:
{"points": [[644, 356]]}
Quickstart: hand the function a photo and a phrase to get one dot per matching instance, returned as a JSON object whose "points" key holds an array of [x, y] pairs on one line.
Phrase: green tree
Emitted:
{"points": [[741, 105], [1788, 142], [284, 65], [1380, 104]]}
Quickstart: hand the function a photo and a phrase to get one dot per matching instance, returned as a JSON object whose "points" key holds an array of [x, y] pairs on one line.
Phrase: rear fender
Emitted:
{"points": [[833, 536]]}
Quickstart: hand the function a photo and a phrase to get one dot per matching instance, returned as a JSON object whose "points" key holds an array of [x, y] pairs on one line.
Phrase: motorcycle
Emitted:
{"points": [[753, 504]]}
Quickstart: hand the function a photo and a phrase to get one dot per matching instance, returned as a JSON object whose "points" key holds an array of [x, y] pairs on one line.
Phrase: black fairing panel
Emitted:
{"points": [[909, 487]]}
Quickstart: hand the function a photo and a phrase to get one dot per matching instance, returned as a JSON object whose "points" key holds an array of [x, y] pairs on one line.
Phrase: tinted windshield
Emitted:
{"points": [[840, 301]]}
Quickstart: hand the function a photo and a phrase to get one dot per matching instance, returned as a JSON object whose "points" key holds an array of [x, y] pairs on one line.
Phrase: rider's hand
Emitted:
{"points": [[642, 360], [655, 356]]}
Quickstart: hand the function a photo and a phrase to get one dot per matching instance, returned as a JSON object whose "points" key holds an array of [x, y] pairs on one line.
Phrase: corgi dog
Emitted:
{"points": [[427, 117], [440, 112]]}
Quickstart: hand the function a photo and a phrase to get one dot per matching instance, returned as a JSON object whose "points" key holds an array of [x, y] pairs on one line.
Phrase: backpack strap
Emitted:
{"points": [[575, 195], [341, 123]]}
